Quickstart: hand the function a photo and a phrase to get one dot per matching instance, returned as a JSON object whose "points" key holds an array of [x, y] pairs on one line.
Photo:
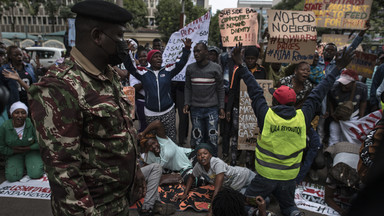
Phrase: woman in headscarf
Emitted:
{"points": [[18, 143]]}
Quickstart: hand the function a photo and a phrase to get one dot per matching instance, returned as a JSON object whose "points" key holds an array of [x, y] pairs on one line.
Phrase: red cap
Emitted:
{"points": [[284, 95], [151, 53], [348, 76]]}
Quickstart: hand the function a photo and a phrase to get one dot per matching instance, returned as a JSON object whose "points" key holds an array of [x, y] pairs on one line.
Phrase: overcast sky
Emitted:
{"points": [[221, 4]]}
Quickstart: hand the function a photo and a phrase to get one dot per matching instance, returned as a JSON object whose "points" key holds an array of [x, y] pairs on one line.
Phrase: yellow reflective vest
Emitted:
{"points": [[279, 149]]}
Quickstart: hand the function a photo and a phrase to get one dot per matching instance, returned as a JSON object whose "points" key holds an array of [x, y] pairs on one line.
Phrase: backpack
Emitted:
{"points": [[344, 111]]}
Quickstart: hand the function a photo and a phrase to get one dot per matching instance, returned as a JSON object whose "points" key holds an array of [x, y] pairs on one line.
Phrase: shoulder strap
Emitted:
{"points": [[353, 92]]}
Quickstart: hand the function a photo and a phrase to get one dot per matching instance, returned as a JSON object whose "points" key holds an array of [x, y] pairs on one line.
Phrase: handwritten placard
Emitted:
{"points": [[339, 40], [130, 92], [292, 36], [248, 130], [340, 14], [363, 64], [197, 30], [238, 25]]}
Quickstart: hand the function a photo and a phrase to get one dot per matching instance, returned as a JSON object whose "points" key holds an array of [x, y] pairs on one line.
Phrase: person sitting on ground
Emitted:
{"points": [[18, 142], [229, 202], [217, 172], [159, 148], [152, 203], [279, 148], [342, 177], [347, 101]]}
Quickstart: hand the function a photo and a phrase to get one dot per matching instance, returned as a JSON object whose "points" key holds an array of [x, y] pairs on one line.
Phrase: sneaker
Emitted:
{"points": [[313, 175], [163, 208], [146, 213]]}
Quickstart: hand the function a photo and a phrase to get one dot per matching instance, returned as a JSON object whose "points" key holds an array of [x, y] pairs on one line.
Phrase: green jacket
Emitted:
{"points": [[9, 138]]}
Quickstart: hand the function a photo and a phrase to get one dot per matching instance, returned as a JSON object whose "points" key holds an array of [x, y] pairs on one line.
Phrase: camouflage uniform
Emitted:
{"points": [[86, 138]]}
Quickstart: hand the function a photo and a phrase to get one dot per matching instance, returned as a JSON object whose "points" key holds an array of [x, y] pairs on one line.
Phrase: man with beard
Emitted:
{"points": [[87, 139]]}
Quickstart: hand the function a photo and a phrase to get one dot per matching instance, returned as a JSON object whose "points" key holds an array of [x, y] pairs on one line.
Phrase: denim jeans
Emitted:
{"points": [[204, 126], [284, 191]]}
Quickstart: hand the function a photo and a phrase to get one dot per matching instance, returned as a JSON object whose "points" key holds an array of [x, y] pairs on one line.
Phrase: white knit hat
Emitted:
{"points": [[18, 105]]}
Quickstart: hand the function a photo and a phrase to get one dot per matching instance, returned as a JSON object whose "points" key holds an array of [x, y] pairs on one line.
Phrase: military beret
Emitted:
{"points": [[102, 10]]}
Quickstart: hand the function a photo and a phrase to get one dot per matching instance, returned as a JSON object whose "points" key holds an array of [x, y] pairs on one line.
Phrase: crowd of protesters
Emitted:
{"points": [[79, 122]]}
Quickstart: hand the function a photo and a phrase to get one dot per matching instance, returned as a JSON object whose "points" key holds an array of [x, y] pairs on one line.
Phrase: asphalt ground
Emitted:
{"points": [[36, 207]]}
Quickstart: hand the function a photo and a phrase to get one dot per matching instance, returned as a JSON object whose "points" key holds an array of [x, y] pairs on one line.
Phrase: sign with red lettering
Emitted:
{"points": [[340, 14], [292, 36], [27, 188], [363, 64], [197, 30], [248, 129], [238, 25]]}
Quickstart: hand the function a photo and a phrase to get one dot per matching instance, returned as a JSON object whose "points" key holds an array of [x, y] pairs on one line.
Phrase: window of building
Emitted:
{"points": [[9, 20], [34, 20], [152, 3], [29, 20], [151, 21], [38, 21], [44, 20]]}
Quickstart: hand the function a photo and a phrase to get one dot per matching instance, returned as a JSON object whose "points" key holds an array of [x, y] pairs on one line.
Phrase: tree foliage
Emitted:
{"points": [[138, 9], [168, 16], [214, 31]]}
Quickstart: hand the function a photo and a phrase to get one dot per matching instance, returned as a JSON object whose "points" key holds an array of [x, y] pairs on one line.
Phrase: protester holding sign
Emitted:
{"points": [[279, 148], [156, 82], [251, 55]]}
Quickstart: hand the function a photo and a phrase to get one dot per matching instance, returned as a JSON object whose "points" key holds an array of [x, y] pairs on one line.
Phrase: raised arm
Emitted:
{"points": [[255, 92], [157, 126], [313, 101], [184, 58]]}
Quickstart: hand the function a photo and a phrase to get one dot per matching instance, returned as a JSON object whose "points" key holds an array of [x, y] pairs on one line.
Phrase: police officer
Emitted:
{"points": [[81, 114]]}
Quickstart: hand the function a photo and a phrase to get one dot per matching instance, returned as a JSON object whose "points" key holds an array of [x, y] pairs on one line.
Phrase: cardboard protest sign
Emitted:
{"points": [[27, 188], [339, 40], [130, 92], [292, 36], [340, 14], [238, 25], [197, 31], [248, 130], [363, 64]]}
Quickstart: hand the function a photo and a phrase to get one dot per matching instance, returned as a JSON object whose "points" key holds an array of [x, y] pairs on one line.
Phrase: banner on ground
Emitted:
{"points": [[310, 197], [363, 64], [238, 25], [71, 32], [293, 36], [197, 31], [356, 131], [339, 40], [340, 14], [27, 188], [248, 129]]}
